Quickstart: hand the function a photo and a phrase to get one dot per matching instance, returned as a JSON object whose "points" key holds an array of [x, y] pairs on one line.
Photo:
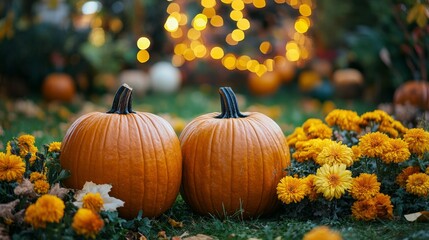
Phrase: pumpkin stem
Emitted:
{"points": [[229, 104], [122, 101]]}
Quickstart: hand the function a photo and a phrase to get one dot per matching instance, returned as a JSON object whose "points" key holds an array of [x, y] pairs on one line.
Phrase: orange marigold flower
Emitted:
{"points": [[297, 136], [308, 150], [364, 209], [291, 189], [12, 167], [87, 223], [402, 178], [26, 145], [335, 153], [357, 153], [388, 129], [47, 209], [365, 186], [344, 119], [418, 184], [399, 127], [34, 176], [418, 140], [41, 186], [322, 233], [384, 206], [315, 128], [311, 188], [93, 201], [397, 151], [374, 144]]}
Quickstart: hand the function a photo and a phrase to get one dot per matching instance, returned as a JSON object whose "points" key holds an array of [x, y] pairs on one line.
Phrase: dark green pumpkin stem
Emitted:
{"points": [[229, 104], [122, 101]]}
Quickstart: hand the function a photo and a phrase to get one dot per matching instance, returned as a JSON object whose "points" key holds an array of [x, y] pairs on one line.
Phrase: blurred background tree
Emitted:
{"points": [[95, 40], [387, 40]]}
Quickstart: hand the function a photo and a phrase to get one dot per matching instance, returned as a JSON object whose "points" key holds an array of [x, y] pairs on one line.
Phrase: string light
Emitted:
{"points": [[191, 41]]}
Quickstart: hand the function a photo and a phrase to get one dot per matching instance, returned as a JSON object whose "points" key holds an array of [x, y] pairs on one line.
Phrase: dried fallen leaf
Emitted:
{"points": [[175, 223], [422, 216], [162, 235], [199, 237]]}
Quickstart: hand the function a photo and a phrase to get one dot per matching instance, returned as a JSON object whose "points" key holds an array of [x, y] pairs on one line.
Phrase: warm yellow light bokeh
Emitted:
{"points": [[208, 3], [243, 24], [171, 24], [265, 47], [143, 56], [237, 35], [143, 43], [197, 40], [217, 53], [305, 10], [199, 22]]}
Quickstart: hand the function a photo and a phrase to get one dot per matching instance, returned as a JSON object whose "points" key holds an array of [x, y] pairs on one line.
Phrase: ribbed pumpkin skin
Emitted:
{"points": [[138, 153], [233, 164]]}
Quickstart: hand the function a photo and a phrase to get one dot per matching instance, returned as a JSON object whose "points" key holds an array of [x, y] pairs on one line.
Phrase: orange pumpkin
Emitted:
{"points": [[264, 85], [137, 153], [232, 161], [58, 87], [415, 93]]}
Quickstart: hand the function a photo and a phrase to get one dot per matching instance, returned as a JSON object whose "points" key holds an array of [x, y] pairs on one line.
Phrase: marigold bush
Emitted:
{"points": [[368, 167], [35, 206]]}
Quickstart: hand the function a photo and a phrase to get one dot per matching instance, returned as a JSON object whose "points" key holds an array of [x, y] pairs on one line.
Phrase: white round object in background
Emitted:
{"points": [[165, 77], [138, 80]]}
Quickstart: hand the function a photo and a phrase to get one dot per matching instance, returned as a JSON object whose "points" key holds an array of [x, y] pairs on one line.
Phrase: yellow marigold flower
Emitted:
{"points": [[26, 139], [374, 144], [364, 209], [87, 223], [41, 186], [26, 145], [418, 184], [291, 189], [335, 153], [333, 181], [402, 178], [315, 128], [397, 151], [418, 140], [365, 186], [93, 201], [54, 147], [322, 233], [47, 209], [12, 167], [307, 150], [34, 176], [427, 170], [384, 206], [297, 136], [311, 188], [344, 119]]}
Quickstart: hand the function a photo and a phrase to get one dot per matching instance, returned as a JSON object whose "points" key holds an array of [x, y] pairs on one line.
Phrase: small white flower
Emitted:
{"points": [[109, 203]]}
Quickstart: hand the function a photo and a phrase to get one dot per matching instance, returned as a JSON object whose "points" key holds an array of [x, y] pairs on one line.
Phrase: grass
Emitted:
{"points": [[281, 227], [287, 107]]}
